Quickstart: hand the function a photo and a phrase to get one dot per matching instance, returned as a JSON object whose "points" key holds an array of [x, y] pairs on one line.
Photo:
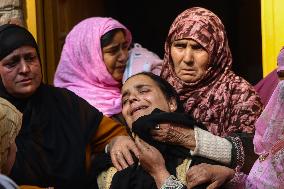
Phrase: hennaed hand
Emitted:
{"points": [[120, 149], [175, 134], [152, 161], [215, 175]]}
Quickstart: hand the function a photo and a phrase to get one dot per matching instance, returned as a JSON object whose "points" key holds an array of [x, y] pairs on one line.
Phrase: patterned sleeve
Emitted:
{"points": [[243, 155]]}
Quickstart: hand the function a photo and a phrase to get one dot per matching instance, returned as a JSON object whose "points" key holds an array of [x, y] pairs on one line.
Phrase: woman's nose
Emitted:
{"points": [[133, 98], [24, 67], [123, 55], [188, 55]]}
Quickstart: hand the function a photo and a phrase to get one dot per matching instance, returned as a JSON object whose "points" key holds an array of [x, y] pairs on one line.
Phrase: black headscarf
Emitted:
{"points": [[14, 36], [11, 38], [57, 126]]}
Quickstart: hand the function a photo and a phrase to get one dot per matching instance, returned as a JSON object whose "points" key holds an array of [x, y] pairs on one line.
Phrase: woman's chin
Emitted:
{"points": [[189, 78]]}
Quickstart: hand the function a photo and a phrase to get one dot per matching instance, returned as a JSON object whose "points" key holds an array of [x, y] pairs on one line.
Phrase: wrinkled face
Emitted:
{"points": [[115, 55], [20, 72], [140, 96], [190, 60]]}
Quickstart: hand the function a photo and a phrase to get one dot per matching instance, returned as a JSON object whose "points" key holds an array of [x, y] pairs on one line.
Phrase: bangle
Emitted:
{"points": [[172, 182]]}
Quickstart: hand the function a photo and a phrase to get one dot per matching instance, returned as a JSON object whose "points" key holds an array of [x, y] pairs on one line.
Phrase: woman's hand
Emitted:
{"points": [[175, 134], [120, 149], [215, 175], [152, 161]]}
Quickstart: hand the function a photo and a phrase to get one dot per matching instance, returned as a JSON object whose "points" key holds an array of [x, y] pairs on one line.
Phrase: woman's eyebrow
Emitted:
{"points": [[141, 86], [112, 47]]}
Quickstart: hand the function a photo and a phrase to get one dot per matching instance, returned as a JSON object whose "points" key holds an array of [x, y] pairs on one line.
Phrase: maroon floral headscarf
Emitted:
{"points": [[221, 100]]}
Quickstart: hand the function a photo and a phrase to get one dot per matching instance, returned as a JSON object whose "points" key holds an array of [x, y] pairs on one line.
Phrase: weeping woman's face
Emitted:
{"points": [[20, 72], [115, 56], [140, 96]]}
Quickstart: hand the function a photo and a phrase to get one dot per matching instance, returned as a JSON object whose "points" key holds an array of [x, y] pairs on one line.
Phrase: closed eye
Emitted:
{"points": [[12, 62], [144, 90], [30, 57]]}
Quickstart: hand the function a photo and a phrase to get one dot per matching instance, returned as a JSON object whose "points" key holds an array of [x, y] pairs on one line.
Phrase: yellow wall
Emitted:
{"points": [[272, 26], [30, 16]]}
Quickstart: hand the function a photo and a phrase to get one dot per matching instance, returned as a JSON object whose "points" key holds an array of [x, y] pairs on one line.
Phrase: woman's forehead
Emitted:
{"points": [[21, 50], [138, 80]]}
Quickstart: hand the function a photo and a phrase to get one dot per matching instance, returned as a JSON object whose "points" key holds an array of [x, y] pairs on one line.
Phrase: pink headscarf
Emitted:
{"points": [[270, 124], [82, 70]]}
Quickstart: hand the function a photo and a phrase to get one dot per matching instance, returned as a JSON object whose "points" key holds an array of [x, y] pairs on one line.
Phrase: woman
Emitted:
{"points": [[60, 131], [93, 61], [197, 64], [267, 171], [266, 86], [149, 101]]}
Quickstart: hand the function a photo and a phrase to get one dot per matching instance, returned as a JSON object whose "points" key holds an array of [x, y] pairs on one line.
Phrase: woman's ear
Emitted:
{"points": [[172, 105]]}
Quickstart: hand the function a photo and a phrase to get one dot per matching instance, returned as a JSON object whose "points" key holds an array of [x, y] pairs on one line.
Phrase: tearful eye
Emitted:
{"points": [[144, 91], [124, 101]]}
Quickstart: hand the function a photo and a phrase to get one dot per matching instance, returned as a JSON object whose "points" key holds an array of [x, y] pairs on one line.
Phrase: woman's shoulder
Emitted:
{"points": [[235, 80], [63, 96], [50, 89], [58, 93], [241, 91], [238, 85]]}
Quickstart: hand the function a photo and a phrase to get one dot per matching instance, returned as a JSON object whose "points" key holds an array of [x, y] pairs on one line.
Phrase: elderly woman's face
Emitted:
{"points": [[20, 72], [140, 96], [190, 60]]}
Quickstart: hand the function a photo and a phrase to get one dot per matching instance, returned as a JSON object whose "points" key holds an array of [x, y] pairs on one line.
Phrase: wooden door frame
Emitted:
{"points": [[46, 14]]}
